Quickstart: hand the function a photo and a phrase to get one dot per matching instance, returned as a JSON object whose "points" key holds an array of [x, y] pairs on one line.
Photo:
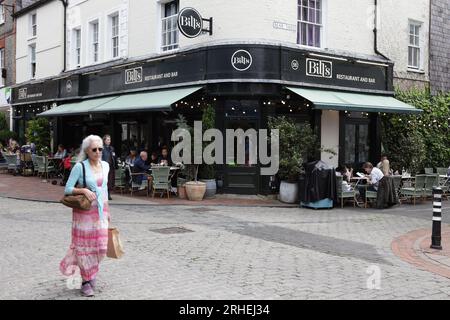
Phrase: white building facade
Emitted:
{"points": [[294, 58]]}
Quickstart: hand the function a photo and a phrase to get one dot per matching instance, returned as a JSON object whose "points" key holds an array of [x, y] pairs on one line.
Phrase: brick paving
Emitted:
{"points": [[414, 247], [231, 253], [38, 189]]}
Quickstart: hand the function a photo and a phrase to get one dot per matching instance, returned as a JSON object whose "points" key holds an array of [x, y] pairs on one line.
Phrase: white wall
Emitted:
{"points": [[348, 23], [330, 136], [80, 13], [49, 42], [394, 34]]}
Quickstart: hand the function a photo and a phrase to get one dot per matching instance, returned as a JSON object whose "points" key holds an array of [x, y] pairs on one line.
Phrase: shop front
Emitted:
{"points": [[138, 103]]}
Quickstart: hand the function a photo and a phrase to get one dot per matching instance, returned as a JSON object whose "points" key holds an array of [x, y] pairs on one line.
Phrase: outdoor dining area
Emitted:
{"points": [[156, 179], [407, 188]]}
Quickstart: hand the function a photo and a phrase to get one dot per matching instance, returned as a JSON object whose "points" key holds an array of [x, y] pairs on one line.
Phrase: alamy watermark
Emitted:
{"points": [[374, 279], [251, 146]]}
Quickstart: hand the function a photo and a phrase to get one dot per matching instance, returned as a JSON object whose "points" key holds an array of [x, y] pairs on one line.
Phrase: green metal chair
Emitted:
{"points": [[161, 180], [136, 187], [429, 171], [11, 160], [417, 191], [441, 171], [35, 164], [432, 180], [370, 195], [119, 180], [341, 194]]}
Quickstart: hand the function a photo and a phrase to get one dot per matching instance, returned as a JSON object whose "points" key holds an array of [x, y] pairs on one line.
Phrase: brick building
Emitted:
{"points": [[440, 46]]}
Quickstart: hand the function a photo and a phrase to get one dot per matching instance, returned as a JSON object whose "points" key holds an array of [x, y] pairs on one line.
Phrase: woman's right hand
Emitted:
{"points": [[90, 195]]}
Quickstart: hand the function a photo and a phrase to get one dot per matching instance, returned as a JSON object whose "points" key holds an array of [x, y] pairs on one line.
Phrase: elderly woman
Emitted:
{"points": [[89, 228]]}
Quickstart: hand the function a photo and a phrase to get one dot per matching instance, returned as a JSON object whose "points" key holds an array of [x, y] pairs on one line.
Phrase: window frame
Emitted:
{"points": [[417, 46], [301, 21], [33, 27], [173, 32], [2, 14], [32, 62], [113, 36], [77, 46], [94, 42]]}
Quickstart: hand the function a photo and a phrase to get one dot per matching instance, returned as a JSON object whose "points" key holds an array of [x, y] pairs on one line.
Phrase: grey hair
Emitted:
{"points": [[86, 144]]}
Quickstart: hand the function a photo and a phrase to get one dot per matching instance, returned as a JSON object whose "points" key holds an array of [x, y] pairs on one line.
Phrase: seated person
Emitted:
{"points": [[131, 158], [164, 159], [140, 167], [154, 158], [342, 171], [61, 153], [375, 175]]}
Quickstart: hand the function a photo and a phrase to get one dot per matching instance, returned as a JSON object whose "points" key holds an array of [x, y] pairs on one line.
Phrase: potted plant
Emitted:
{"points": [[195, 190], [208, 172], [296, 143], [38, 132]]}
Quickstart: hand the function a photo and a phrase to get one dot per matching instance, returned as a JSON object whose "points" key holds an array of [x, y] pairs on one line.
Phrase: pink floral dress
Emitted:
{"points": [[89, 239]]}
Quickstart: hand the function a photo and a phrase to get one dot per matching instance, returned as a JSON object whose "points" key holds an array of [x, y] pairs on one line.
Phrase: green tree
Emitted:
{"points": [[38, 132], [417, 141], [5, 133], [208, 122]]}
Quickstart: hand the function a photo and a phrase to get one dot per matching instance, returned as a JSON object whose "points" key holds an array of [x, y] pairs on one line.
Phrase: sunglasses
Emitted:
{"points": [[95, 149]]}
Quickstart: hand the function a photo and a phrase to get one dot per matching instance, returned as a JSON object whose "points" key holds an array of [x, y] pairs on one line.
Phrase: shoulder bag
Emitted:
{"points": [[78, 201]]}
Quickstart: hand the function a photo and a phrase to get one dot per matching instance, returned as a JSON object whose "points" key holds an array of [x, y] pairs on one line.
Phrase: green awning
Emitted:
{"points": [[337, 100], [146, 101], [76, 108]]}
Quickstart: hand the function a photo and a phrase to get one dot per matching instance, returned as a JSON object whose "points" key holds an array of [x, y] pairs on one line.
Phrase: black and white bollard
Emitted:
{"points": [[437, 217]]}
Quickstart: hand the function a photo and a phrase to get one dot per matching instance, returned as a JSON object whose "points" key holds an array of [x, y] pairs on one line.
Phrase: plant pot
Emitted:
{"points": [[195, 190], [182, 192], [288, 192], [211, 187]]}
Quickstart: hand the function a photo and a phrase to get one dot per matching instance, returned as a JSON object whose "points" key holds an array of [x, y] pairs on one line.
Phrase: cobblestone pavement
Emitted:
{"points": [[225, 253]]}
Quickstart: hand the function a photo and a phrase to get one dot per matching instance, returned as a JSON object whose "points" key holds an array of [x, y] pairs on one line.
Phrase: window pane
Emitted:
{"points": [[350, 135], [318, 4], [304, 34], [305, 14], [411, 39], [312, 15], [319, 17], [317, 36], [411, 29], [363, 143], [310, 35], [410, 56]]}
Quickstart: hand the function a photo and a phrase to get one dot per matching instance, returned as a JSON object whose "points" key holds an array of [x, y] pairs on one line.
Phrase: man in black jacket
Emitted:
{"points": [[109, 156]]}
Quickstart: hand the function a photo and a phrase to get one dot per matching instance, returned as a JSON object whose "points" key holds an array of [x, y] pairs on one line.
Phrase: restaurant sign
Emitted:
{"points": [[190, 23]]}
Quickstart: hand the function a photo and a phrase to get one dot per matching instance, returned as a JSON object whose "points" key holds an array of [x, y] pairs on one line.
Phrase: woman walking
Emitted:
{"points": [[89, 228]]}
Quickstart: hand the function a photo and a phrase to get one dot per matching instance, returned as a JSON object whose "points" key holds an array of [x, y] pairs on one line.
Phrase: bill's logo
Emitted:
{"points": [[23, 93], [319, 68], [190, 22], [133, 75], [241, 60]]}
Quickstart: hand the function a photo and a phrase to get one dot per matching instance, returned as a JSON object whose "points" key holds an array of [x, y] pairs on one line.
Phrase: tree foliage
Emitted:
{"points": [[417, 141], [38, 132], [297, 143]]}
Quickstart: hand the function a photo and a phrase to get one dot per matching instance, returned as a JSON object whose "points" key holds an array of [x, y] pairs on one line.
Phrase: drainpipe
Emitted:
{"points": [[375, 32], [65, 4]]}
